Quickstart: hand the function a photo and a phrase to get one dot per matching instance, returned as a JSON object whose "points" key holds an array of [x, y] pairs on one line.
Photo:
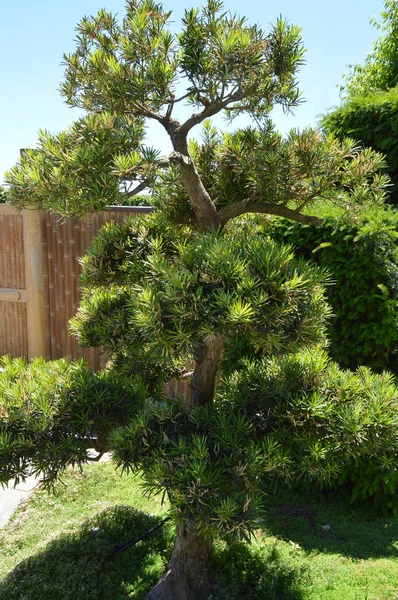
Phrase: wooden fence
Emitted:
{"points": [[39, 282]]}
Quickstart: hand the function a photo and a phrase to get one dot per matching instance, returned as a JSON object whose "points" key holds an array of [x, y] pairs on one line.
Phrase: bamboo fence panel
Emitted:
{"points": [[64, 242], [61, 244], [13, 315]]}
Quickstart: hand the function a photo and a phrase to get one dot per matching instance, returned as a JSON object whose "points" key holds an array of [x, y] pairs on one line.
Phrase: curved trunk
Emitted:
{"points": [[202, 204], [187, 576], [207, 362]]}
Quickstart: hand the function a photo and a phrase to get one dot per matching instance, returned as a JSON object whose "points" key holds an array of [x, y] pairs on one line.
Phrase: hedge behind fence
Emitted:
{"points": [[362, 260]]}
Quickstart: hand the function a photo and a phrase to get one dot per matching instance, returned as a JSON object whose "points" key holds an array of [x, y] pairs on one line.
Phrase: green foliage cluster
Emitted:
{"points": [[126, 73], [298, 420], [4, 195], [259, 170], [380, 71], [138, 63], [77, 165], [335, 429], [149, 291], [372, 120], [361, 259], [202, 457], [52, 412]]}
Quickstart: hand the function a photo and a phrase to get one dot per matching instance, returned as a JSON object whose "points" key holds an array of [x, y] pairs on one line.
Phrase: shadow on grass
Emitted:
{"points": [[240, 571], [85, 566], [330, 525]]}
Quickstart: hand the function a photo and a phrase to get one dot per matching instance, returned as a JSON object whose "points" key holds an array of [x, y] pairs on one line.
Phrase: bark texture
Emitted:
{"points": [[202, 204], [187, 576], [207, 362]]}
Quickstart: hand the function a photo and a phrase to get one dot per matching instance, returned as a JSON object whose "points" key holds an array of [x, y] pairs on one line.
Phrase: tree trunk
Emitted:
{"points": [[202, 204], [207, 362], [187, 576]]}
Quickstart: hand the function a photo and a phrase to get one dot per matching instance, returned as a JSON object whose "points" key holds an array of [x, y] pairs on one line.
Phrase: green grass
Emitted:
{"points": [[62, 547]]}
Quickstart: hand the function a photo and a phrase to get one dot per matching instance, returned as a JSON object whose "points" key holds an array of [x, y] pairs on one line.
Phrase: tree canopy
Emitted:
{"points": [[130, 73]]}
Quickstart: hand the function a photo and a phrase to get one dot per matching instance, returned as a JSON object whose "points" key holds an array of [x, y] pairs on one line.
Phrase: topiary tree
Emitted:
{"points": [[171, 293]]}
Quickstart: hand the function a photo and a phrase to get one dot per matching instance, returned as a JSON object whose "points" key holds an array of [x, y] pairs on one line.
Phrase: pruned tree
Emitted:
{"points": [[182, 286]]}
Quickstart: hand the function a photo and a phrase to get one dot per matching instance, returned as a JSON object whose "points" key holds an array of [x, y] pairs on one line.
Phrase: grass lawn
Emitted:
{"points": [[62, 547]]}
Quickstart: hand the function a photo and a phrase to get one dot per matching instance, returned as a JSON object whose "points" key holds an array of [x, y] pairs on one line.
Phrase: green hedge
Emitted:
{"points": [[362, 262], [373, 121]]}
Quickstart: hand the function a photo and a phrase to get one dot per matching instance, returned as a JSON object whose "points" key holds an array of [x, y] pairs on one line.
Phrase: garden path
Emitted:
{"points": [[11, 497]]}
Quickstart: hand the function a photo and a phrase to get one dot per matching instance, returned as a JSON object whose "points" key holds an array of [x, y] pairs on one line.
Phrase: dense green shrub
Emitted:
{"points": [[372, 120], [336, 429], [361, 259]]}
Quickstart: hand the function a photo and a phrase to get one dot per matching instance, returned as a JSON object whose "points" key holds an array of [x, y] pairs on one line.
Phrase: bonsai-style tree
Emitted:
{"points": [[180, 292]]}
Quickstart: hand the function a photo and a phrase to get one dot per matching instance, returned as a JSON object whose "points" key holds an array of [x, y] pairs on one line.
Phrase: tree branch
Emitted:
{"points": [[212, 109], [138, 189], [142, 111], [250, 206], [183, 97]]}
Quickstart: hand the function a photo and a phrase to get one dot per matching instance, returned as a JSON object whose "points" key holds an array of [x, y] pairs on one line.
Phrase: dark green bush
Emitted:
{"points": [[337, 429], [361, 259], [372, 120]]}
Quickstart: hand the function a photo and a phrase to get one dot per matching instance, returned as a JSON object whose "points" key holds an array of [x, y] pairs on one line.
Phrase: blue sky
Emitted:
{"points": [[35, 33]]}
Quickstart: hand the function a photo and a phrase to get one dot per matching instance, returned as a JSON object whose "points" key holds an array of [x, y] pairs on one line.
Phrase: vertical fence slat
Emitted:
{"points": [[36, 321], [13, 330], [46, 280]]}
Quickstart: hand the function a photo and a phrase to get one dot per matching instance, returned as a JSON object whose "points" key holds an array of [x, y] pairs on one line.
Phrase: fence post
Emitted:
{"points": [[36, 319]]}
